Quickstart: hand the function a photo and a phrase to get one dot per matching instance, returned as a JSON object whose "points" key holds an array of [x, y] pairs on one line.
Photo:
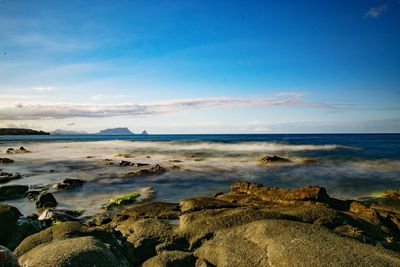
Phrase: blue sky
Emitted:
{"points": [[201, 66]]}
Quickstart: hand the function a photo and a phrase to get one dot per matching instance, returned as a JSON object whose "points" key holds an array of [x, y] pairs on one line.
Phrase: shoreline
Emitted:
{"points": [[251, 225]]}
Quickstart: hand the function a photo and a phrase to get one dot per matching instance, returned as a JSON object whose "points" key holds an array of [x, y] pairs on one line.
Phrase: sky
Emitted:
{"points": [[201, 66]]}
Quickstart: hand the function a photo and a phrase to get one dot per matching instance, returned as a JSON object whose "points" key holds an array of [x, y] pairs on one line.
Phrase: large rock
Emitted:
{"points": [[5, 177], [7, 258], [79, 251], [288, 243], [8, 192]]}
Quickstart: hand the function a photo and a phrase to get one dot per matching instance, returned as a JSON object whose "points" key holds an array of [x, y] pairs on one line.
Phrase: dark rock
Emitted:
{"points": [[124, 163], [10, 150], [171, 258], [168, 246], [46, 200], [20, 150], [158, 169], [218, 194], [8, 192], [69, 183], [139, 164], [8, 218], [14, 228], [6, 160], [5, 177], [274, 159], [7, 258]]}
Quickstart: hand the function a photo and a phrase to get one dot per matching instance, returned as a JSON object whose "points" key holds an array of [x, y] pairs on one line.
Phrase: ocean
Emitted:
{"points": [[347, 165]]}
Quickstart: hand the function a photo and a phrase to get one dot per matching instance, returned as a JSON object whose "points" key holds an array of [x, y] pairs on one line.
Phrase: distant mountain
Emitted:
{"points": [[66, 132], [116, 131], [144, 132], [20, 131]]}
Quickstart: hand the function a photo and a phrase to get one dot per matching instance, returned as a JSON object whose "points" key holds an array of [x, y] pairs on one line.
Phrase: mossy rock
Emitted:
{"points": [[119, 201]]}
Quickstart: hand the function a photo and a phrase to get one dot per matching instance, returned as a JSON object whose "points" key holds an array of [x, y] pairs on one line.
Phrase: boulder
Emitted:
{"points": [[69, 183], [46, 200], [288, 243], [6, 160], [9, 215], [79, 251], [171, 258], [7, 258], [8, 192], [67, 231]]}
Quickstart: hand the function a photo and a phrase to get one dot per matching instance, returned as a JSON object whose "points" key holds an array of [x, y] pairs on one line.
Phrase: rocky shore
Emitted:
{"points": [[252, 225]]}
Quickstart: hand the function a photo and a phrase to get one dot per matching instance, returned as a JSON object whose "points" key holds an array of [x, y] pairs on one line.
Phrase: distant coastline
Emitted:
{"points": [[20, 131]]}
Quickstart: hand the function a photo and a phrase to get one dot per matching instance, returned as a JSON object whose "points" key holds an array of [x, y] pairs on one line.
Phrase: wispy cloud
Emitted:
{"points": [[375, 12], [23, 110], [43, 88]]}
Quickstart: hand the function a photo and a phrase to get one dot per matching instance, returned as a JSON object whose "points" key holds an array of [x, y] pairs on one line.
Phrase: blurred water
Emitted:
{"points": [[348, 165]]}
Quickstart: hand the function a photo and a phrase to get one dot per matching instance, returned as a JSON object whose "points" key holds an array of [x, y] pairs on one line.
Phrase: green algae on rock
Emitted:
{"points": [[123, 200]]}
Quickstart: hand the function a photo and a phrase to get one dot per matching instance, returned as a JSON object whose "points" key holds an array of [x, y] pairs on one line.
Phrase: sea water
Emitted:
{"points": [[347, 165]]}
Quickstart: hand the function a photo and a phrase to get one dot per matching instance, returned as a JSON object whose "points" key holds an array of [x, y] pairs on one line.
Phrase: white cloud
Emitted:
{"points": [[21, 109], [375, 12], [290, 94]]}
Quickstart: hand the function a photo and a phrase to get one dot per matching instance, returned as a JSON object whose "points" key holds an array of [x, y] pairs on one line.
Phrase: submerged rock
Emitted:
{"points": [[46, 200], [5, 177], [8, 192], [20, 150], [6, 160], [69, 183], [274, 159]]}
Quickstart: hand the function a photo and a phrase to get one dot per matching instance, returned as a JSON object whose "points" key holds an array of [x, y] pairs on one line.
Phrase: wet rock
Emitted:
{"points": [[120, 201], [139, 164], [288, 243], [20, 150], [7, 258], [171, 258], [14, 228], [274, 159], [203, 203], [9, 215], [79, 251], [5, 177], [159, 210], [69, 183], [6, 160], [365, 212], [158, 169], [46, 200], [8, 192], [124, 163], [168, 246], [108, 162]]}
